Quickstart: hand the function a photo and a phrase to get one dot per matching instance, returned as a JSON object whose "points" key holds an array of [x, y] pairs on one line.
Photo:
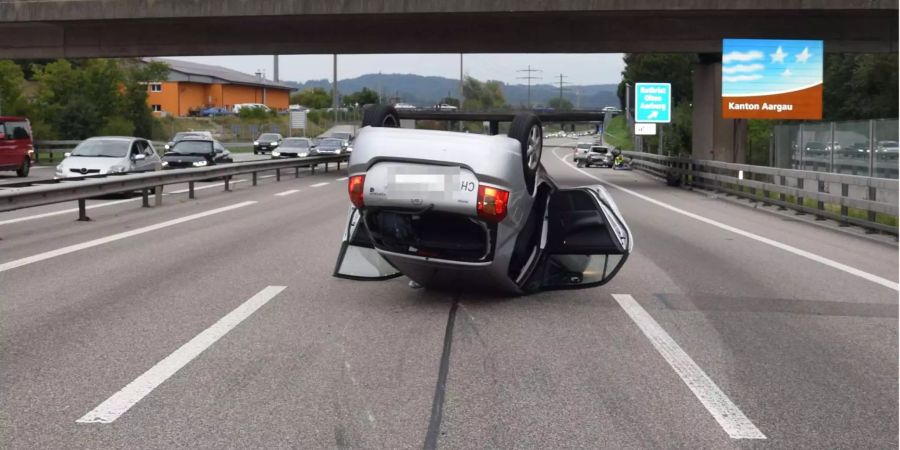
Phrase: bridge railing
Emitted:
{"points": [[849, 199]]}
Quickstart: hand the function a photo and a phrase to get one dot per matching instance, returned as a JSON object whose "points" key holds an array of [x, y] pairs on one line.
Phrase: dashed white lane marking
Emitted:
{"points": [[65, 211], [788, 248], [318, 185], [266, 176], [208, 186], [726, 413], [342, 179], [289, 192], [74, 248], [131, 394]]}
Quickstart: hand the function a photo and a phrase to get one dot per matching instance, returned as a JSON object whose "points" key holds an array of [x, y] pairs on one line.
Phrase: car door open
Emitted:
{"points": [[358, 259], [585, 240]]}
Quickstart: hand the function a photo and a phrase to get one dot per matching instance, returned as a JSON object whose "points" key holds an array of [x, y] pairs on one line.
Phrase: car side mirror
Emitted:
{"points": [[66, 155], [219, 150], [139, 157], [2, 135]]}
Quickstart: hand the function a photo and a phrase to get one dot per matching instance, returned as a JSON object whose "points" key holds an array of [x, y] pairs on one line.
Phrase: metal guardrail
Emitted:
{"points": [[833, 194], [47, 149], [81, 189]]}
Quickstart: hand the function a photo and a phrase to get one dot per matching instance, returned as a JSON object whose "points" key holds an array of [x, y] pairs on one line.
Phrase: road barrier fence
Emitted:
{"points": [[868, 202], [82, 188]]}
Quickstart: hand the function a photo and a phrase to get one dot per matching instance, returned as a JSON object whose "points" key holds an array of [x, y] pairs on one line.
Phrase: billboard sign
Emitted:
{"points": [[771, 79], [645, 129], [653, 102], [298, 120]]}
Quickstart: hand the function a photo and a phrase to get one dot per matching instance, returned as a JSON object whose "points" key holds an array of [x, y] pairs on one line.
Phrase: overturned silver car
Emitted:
{"points": [[451, 209]]}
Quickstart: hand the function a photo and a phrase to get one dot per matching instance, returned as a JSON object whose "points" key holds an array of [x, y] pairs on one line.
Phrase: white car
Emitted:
{"points": [[451, 209], [108, 155]]}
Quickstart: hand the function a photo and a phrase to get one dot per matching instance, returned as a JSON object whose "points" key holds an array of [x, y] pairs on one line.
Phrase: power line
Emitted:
{"points": [[529, 77]]}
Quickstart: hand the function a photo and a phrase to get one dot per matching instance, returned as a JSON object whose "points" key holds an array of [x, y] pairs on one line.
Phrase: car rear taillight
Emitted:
{"points": [[355, 188], [492, 203]]}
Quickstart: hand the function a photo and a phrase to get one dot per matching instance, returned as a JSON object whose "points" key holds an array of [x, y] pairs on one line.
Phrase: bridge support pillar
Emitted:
{"points": [[714, 138]]}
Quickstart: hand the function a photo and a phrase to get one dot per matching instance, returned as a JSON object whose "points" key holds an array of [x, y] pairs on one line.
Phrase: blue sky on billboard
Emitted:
{"points": [[770, 66]]}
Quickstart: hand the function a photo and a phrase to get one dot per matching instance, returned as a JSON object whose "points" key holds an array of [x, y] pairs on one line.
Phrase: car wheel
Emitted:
{"points": [[384, 116], [26, 167], [526, 128], [580, 163]]}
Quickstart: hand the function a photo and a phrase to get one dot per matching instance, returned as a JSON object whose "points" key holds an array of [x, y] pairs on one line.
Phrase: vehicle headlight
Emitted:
{"points": [[302, 154], [168, 146], [165, 163], [117, 169], [349, 149], [200, 163], [59, 169], [274, 144], [255, 142], [276, 153]]}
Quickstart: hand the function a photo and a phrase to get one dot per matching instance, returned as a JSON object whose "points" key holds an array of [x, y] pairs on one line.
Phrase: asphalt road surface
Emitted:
{"points": [[216, 323]]}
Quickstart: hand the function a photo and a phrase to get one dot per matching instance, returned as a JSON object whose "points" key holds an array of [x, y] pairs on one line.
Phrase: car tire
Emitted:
{"points": [[25, 168], [526, 128], [382, 116], [580, 164]]}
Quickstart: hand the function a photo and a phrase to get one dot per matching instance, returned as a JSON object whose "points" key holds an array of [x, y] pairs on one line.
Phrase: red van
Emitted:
{"points": [[16, 147]]}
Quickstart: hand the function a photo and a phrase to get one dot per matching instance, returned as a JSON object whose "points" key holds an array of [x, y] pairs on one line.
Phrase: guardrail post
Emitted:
{"points": [[145, 198], [820, 205], [277, 174], [872, 197], [190, 189], [312, 169], [326, 167], [297, 172], [157, 201], [800, 197], [227, 184], [782, 196], [845, 211], [254, 178], [82, 211]]}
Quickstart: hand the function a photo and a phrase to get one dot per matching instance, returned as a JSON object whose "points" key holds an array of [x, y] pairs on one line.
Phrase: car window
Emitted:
{"points": [[116, 148], [219, 148], [3, 129], [190, 147], [136, 148], [18, 130]]}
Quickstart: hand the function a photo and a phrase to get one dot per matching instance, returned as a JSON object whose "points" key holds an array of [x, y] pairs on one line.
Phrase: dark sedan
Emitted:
{"points": [[266, 142], [293, 148], [330, 146], [195, 153]]}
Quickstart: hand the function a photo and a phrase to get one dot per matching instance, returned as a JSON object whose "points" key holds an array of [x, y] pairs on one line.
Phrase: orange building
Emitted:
{"points": [[192, 87]]}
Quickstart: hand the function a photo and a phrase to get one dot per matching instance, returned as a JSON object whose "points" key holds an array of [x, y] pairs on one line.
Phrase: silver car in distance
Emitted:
{"points": [[451, 209]]}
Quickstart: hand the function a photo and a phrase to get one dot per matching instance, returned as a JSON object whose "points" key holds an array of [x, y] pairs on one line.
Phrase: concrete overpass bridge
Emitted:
{"points": [[92, 28]]}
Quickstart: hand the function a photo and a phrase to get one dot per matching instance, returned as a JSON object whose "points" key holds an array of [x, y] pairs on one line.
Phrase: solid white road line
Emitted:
{"points": [[730, 418], [788, 248], [292, 191], [318, 185], [341, 179], [122, 401], [74, 248], [65, 211]]}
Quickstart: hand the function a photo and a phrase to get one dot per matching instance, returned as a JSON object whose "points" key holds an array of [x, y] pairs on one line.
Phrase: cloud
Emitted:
{"points": [[736, 56], [734, 78], [787, 73], [743, 68]]}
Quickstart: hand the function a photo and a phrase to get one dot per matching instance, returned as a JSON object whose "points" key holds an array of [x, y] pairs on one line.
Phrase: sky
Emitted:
{"points": [[755, 67], [579, 69]]}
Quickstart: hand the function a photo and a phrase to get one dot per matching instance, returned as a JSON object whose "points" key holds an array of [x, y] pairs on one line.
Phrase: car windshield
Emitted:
{"points": [[888, 143], [330, 143], [192, 147], [815, 145], [110, 148], [269, 137], [344, 136], [295, 143]]}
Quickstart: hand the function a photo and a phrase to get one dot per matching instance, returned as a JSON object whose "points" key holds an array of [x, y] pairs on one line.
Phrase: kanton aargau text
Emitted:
{"points": [[777, 107]]}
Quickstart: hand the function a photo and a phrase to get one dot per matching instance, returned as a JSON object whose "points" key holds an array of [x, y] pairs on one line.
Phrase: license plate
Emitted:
{"points": [[447, 188]]}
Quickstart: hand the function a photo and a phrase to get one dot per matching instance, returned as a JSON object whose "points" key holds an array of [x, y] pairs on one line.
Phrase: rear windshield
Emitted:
{"points": [[584, 146], [269, 137], [300, 143], [599, 150]]}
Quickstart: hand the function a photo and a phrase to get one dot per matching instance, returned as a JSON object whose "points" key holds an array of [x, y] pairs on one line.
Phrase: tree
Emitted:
{"points": [[364, 97], [12, 81], [134, 97], [560, 104], [316, 98], [77, 102], [860, 86], [483, 96]]}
